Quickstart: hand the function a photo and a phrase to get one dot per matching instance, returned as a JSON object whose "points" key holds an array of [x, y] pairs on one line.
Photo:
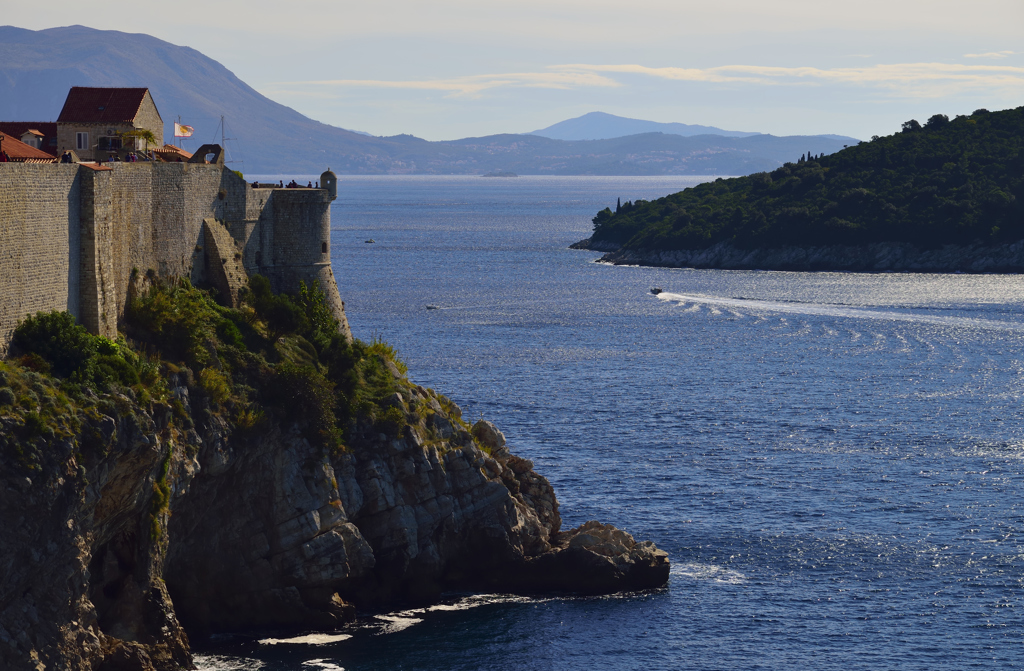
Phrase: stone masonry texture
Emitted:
{"points": [[76, 239]]}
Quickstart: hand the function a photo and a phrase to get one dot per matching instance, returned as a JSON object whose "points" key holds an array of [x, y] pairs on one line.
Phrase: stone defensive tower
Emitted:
{"points": [[301, 240]]}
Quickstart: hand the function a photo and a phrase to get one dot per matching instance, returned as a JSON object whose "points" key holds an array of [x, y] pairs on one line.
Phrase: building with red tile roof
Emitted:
{"points": [[101, 123], [39, 134], [14, 150]]}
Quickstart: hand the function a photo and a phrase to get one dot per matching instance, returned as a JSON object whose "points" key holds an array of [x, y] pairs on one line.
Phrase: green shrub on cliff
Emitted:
{"points": [[277, 357], [180, 323], [55, 336], [276, 354], [36, 409], [54, 342], [216, 384], [279, 312], [306, 395], [388, 352], [949, 181]]}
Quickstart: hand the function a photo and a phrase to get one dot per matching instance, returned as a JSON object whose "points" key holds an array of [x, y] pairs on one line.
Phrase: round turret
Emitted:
{"points": [[329, 181]]}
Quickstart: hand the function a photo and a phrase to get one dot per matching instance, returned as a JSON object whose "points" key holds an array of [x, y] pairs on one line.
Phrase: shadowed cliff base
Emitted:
{"points": [[218, 469]]}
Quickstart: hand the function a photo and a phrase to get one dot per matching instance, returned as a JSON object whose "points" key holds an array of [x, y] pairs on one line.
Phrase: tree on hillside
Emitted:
{"points": [[960, 181]]}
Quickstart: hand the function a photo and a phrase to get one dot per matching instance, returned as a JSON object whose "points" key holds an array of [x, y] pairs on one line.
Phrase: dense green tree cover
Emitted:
{"points": [[54, 342], [947, 181]]}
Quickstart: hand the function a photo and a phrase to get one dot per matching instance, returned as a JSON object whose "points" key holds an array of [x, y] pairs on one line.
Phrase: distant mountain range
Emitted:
{"points": [[603, 126], [38, 67]]}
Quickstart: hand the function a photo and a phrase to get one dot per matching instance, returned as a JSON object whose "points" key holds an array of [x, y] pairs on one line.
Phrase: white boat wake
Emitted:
{"points": [[827, 310]]}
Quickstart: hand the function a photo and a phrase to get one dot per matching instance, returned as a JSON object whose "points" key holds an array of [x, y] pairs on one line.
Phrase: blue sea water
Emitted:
{"points": [[833, 461]]}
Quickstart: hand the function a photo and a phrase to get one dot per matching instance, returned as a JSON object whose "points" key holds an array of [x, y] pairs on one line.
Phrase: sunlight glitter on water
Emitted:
{"points": [[834, 462], [708, 572]]}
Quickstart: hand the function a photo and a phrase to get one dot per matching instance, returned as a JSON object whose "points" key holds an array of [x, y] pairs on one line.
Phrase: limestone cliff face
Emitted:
{"points": [[274, 532], [81, 544], [172, 517], [876, 257]]}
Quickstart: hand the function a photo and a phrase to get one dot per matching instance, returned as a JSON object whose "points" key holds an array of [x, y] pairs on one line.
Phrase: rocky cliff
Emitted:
{"points": [[129, 518], [82, 494], [875, 257]]}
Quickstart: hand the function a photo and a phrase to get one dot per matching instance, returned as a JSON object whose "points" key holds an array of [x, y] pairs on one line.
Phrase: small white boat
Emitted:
{"points": [[370, 241], [433, 307]]}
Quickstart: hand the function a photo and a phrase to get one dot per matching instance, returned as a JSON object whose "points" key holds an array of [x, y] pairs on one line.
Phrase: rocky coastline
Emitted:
{"points": [[147, 522], [876, 257]]}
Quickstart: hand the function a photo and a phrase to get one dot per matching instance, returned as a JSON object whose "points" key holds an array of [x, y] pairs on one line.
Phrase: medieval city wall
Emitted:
{"points": [[39, 241], [75, 238]]}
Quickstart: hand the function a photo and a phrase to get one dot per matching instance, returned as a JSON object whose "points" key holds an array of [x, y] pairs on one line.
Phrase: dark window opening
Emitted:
{"points": [[323, 248]]}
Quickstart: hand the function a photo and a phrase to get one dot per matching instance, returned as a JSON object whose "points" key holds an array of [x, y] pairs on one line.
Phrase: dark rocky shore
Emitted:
{"points": [[134, 530], [876, 257]]}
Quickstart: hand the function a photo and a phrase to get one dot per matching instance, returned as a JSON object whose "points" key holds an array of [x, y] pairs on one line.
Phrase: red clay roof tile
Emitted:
{"points": [[101, 105], [170, 152], [19, 151], [16, 129]]}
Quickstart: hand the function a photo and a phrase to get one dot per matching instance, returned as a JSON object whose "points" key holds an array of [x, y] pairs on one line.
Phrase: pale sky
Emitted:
{"points": [[447, 69]]}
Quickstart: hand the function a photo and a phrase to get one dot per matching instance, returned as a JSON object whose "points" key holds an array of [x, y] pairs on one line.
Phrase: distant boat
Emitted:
{"points": [[369, 242], [433, 307], [656, 290]]}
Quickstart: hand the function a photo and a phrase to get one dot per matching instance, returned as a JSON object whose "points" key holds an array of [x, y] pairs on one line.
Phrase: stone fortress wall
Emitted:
{"points": [[82, 238], [40, 241]]}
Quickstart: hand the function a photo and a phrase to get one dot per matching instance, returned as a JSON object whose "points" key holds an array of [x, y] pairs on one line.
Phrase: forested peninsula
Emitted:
{"points": [[946, 195]]}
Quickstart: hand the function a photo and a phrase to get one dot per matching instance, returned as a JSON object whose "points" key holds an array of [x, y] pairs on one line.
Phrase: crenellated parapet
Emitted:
{"points": [[83, 237]]}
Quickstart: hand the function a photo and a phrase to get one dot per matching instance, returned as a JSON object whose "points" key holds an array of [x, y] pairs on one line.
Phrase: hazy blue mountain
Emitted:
{"points": [[646, 154], [602, 126], [38, 67]]}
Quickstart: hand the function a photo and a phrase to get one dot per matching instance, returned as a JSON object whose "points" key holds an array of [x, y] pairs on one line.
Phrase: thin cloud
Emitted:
{"points": [[909, 79], [474, 85], [914, 80], [991, 54]]}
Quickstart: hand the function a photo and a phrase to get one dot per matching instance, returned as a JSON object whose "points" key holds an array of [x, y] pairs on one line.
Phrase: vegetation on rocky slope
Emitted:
{"points": [[244, 469], [945, 182], [277, 358]]}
